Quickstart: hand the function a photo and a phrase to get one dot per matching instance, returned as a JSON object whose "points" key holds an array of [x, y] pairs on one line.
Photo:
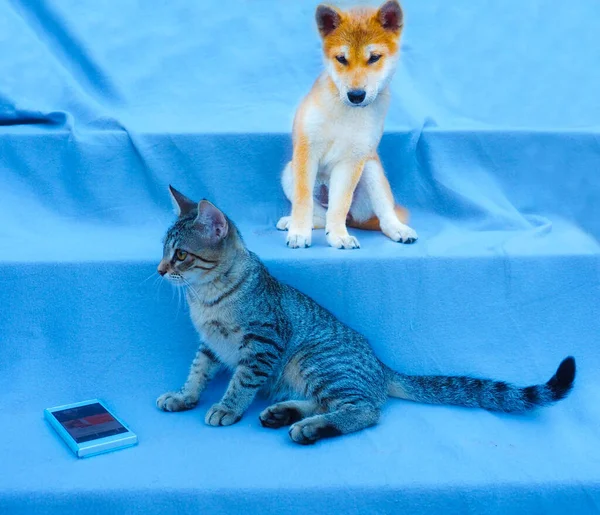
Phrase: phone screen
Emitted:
{"points": [[89, 422]]}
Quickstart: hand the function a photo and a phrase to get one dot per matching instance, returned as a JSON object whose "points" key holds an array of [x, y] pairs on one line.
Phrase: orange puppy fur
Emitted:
{"points": [[335, 177]]}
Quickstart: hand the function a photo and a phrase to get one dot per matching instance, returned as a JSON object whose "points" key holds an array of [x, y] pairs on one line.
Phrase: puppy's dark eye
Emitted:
{"points": [[180, 254], [342, 59], [374, 58]]}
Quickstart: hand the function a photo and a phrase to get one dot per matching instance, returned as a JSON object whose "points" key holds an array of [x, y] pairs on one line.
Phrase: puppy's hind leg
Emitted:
{"points": [[377, 188]]}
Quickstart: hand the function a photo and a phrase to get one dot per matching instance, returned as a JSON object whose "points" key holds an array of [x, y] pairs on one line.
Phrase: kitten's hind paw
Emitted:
{"points": [[176, 401], [279, 416], [219, 415], [309, 430]]}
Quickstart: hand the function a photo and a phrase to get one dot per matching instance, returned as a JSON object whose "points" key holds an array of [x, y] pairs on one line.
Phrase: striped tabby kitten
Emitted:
{"points": [[274, 338]]}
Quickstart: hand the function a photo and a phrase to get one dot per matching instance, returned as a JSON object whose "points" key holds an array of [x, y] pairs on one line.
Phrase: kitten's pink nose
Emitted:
{"points": [[162, 268]]}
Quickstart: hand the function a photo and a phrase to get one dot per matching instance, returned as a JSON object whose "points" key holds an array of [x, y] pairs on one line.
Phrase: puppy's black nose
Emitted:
{"points": [[356, 96]]}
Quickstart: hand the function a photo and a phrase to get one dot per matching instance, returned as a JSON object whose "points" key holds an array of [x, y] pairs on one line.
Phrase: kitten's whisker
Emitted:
{"points": [[191, 288], [160, 283], [178, 303], [156, 285], [153, 274]]}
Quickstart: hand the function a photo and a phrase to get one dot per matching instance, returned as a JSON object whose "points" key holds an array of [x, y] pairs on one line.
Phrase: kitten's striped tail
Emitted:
{"points": [[482, 393]]}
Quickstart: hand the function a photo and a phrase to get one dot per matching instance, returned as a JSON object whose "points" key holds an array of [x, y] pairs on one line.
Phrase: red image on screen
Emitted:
{"points": [[89, 422]]}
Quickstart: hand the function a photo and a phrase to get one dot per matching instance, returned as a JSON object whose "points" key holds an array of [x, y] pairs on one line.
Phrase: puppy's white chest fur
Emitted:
{"points": [[342, 133]]}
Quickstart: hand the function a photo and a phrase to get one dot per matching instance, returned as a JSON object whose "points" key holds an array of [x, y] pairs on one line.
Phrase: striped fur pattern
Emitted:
{"points": [[323, 377]]}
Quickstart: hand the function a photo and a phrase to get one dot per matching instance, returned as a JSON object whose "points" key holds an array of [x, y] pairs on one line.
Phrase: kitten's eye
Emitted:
{"points": [[374, 58], [180, 254], [342, 59]]}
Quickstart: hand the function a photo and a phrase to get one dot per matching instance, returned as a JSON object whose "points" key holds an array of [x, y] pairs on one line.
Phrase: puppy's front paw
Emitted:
{"points": [[298, 239], [397, 231], [219, 415], [340, 239], [284, 223], [175, 401]]}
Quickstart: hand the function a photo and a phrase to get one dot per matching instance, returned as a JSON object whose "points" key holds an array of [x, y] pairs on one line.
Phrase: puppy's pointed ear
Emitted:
{"points": [[212, 221], [328, 19], [181, 204], [390, 16]]}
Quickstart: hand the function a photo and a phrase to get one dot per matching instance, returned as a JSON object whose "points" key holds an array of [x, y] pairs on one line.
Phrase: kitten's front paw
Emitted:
{"points": [[299, 239], [175, 401], [397, 231], [340, 239], [218, 415]]}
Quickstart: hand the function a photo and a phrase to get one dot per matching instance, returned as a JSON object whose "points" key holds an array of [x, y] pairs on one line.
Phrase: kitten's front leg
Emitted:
{"points": [[240, 393], [203, 369], [252, 372]]}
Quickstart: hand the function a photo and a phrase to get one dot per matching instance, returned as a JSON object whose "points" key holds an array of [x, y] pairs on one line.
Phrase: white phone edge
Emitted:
{"points": [[93, 447]]}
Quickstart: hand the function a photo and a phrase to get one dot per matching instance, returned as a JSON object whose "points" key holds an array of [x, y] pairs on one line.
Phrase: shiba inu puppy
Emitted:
{"points": [[335, 177]]}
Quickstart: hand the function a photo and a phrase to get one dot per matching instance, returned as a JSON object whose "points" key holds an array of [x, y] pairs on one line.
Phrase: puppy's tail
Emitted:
{"points": [[482, 393]]}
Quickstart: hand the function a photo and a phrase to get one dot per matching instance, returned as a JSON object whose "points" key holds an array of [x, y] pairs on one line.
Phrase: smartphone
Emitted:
{"points": [[89, 428]]}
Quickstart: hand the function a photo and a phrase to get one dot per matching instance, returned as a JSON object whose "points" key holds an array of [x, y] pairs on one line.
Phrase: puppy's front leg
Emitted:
{"points": [[304, 167], [343, 181]]}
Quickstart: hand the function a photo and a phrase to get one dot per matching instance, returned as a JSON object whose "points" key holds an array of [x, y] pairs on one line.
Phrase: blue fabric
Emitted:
{"points": [[491, 141]]}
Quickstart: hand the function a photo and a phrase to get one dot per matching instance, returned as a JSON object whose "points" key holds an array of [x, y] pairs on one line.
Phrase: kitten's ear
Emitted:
{"points": [[328, 19], [212, 221], [390, 16], [181, 204]]}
